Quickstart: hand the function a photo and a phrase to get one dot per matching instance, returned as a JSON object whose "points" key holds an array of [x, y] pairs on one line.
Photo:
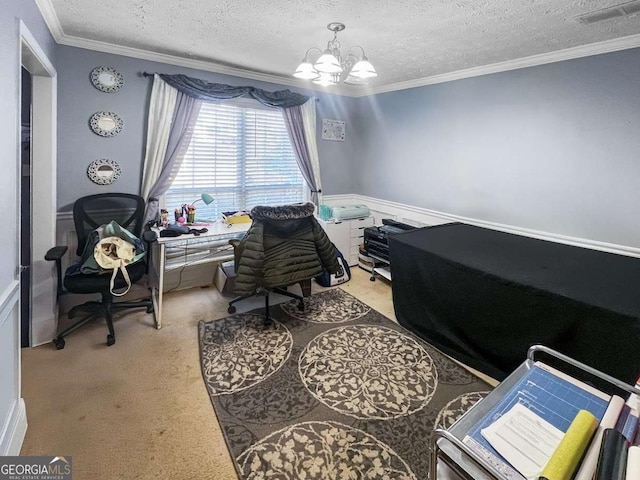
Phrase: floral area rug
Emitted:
{"points": [[336, 391]]}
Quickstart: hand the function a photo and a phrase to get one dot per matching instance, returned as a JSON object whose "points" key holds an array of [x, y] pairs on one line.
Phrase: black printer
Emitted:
{"points": [[376, 238]]}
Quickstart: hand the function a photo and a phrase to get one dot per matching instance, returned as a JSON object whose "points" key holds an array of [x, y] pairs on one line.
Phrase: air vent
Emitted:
{"points": [[618, 11]]}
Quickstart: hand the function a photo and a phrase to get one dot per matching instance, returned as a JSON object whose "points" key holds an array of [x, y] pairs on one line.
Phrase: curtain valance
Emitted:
{"points": [[203, 90]]}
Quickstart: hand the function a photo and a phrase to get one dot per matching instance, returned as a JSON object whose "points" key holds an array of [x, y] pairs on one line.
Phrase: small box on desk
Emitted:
{"points": [[225, 279], [235, 217]]}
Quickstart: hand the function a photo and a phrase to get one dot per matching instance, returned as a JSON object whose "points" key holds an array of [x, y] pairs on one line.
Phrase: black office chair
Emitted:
{"points": [[88, 214], [285, 245]]}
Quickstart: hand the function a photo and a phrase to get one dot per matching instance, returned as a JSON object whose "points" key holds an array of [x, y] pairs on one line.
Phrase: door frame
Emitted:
{"points": [[44, 311]]}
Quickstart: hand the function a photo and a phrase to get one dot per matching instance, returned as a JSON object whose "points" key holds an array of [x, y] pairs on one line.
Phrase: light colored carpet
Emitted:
{"points": [[139, 409]]}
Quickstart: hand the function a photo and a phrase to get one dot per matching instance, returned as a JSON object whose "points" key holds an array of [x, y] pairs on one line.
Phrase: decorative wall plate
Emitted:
{"points": [[106, 124], [106, 79], [104, 171]]}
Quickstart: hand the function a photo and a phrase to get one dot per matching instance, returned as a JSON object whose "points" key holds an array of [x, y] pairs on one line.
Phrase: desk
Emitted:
{"points": [[210, 247]]}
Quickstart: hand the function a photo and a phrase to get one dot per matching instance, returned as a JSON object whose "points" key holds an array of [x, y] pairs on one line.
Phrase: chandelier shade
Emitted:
{"points": [[332, 68], [306, 71], [363, 69], [327, 63]]}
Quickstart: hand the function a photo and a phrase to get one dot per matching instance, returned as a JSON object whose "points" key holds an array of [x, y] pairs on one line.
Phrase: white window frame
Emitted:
{"points": [[243, 103]]}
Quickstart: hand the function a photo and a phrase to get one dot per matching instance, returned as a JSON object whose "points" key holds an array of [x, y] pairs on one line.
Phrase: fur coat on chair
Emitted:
{"points": [[283, 246]]}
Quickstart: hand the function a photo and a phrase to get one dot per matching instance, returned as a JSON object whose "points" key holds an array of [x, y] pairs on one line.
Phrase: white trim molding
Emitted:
{"points": [[44, 322], [8, 301], [48, 12], [421, 217], [15, 430], [607, 46], [50, 18]]}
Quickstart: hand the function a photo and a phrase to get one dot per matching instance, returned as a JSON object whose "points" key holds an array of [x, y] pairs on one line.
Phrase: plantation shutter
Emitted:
{"points": [[242, 156]]}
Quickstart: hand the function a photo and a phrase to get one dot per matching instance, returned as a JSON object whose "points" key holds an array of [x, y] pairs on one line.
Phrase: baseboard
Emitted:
{"points": [[422, 217], [44, 331], [15, 430]]}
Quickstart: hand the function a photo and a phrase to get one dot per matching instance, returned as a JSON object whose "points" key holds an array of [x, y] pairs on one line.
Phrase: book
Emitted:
{"points": [[612, 460], [552, 395], [630, 428], [622, 417]]}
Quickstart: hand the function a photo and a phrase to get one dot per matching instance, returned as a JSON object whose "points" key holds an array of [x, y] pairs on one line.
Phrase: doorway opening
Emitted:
{"points": [[36, 200], [25, 209]]}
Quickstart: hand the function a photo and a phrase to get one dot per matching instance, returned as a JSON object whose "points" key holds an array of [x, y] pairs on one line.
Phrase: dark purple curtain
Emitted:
{"points": [[184, 119], [295, 127]]}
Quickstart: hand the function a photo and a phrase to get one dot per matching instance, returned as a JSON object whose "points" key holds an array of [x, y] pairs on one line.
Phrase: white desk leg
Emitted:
{"points": [[157, 289]]}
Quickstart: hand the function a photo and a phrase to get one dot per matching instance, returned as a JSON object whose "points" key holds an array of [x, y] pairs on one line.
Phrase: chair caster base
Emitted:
{"points": [[150, 309], [110, 340], [59, 343], [231, 309], [372, 279]]}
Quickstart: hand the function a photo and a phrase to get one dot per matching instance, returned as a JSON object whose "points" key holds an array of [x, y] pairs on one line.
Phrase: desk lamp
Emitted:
{"points": [[190, 209], [205, 197]]}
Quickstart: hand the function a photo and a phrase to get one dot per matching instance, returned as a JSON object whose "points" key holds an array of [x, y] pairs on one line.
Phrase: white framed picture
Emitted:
{"points": [[332, 130]]}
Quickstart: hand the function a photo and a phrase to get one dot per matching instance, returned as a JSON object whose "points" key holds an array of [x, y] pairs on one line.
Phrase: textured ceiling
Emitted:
{"points": [[406, 40]]}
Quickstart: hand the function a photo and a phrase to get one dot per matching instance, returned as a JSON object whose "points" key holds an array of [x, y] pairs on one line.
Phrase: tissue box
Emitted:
{"points": [[235, 217]]}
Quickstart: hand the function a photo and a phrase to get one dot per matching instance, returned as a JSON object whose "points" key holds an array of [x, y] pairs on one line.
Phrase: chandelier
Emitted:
{"points": [[331, 68]]}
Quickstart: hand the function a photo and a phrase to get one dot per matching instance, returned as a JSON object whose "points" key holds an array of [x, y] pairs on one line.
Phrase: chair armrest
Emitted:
{"points": [[56, 253], [149, 237], [238, 247]]}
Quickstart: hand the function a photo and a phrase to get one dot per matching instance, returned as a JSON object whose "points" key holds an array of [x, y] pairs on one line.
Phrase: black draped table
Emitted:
{"points": [[484, 297]]}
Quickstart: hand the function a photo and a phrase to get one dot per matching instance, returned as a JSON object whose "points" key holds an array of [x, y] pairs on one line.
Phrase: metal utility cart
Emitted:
{"points": [[452, 459]]}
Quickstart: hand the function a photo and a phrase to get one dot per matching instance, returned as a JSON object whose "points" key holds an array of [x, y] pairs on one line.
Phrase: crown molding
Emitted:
{"points": [[204, 65], [607, 46], [50, 18]]}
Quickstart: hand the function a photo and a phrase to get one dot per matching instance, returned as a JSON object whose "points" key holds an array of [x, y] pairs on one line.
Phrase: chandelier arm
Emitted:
{"points": [[358, 46], [306, 55], [349, 62]]}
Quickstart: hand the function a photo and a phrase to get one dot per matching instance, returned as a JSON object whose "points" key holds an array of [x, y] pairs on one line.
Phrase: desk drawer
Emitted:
{"points": [[356, 241], [358, 225]]}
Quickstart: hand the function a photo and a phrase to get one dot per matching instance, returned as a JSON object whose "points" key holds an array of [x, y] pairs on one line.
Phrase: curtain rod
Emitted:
{"points": [[151, 74]]}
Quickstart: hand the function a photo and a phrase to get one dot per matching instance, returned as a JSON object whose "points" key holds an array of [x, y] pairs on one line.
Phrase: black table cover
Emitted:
{"points": [[484, 296]]}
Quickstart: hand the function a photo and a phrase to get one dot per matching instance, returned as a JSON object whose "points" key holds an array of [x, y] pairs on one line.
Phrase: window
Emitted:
{"points": [[242, 156]]}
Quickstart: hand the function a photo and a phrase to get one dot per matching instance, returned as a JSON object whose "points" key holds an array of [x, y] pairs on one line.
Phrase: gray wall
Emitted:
{"points": [[78, 145], [554, 148], [12, 10]]}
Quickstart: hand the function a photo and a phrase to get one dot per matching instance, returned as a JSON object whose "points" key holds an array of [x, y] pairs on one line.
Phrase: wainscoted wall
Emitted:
{"points": [[13, 421], [421, 217], [552, 148]]}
